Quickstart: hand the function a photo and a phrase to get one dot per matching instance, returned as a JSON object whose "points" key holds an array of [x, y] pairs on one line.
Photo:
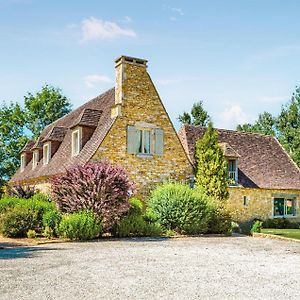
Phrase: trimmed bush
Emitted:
{"points": [[79, 226], [17, 221], [180, 208], [135, 223], [99, 187], [7, 203], [280, 223], [41, 197], [51, 220], [256, 227], [31, 234], [220, 220]]}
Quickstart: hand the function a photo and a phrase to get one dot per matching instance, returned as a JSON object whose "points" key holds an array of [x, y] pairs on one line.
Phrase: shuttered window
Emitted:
{"points": [[144, 141]]}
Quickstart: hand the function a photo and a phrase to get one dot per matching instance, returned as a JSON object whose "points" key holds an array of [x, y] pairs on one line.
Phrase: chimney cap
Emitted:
{"points": [[131, 60]]}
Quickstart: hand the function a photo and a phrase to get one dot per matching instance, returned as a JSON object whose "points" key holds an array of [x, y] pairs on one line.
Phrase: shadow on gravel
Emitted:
{"points": [[10, 251]]}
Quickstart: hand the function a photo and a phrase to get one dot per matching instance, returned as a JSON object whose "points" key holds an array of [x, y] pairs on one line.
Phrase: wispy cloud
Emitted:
{"points": [[127, 19], [273, 99], [177, 10], [233, 115], [168, 81], [93, 29], [92, 80]]}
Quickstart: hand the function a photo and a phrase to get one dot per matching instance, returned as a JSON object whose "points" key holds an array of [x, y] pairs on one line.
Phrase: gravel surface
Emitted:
{"points": [[185, 268]]}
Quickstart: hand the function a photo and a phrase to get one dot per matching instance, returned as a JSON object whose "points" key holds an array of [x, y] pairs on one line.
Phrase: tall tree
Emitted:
{"points": [[266, 124], [211, 165], [45, 107], [198, 115], [288, 124], [12, 138]]}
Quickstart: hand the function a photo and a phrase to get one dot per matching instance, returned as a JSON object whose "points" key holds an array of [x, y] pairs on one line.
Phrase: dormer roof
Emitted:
{"points": [[228, 150], [88, 117], [57, 133], [28, 146]]}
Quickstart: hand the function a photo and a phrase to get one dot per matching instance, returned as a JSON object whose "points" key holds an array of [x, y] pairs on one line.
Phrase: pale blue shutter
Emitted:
{"points": [[131, 139], [159, 141]]}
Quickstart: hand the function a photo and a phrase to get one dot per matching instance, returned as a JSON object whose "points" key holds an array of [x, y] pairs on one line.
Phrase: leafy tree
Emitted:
{"points": [[211, 165], [198, 115], [45, 107], [17, 125], [12, 139], [266, 124], [288, 124]]}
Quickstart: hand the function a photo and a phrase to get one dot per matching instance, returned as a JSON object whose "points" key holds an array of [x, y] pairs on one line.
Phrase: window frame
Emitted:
{"points": [[235, 172], [22, 162], [46, 154], [78, 132], [141, 132], [285, 215], [35, 158]]}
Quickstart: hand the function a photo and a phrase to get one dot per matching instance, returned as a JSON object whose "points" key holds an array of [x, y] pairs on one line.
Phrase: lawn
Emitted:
{"points": [[289, 233]]}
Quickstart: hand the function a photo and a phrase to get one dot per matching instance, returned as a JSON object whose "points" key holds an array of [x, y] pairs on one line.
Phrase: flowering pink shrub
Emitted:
{"points": [[99, 186]]}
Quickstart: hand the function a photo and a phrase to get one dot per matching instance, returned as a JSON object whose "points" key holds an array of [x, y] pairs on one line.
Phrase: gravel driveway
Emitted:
{"points": [[185, 268]]}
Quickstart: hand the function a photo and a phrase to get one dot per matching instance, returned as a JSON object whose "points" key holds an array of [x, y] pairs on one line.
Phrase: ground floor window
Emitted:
{"points": [[284, 207]]}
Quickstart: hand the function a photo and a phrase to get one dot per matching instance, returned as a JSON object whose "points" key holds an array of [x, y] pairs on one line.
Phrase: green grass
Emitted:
{"points": [[289, 233]]}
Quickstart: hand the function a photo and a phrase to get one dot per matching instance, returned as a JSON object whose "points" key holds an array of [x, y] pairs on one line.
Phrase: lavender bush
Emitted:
{"points": [[99, 186]]}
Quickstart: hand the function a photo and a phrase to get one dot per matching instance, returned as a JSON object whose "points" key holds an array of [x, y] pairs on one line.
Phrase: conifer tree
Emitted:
{"points": [[211, 165]]}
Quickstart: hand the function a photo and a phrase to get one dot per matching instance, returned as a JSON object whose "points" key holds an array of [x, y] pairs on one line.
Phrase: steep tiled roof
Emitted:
{"points": [[57, 133], [228, 150], [262, 163], [63, 159], [88, 117], [28, 146]]}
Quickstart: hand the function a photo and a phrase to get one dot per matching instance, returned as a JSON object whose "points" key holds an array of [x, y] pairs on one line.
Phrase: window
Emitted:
{"points": [[35, 158], [23, 161], [46, 153], [233, 171], [246, 200], [284, 207], [144, 141], [76, 142]]}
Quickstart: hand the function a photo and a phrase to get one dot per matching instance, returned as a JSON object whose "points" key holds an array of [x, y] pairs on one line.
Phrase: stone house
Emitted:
{"points": [[264, 181], [126, 125], [129, 125]]}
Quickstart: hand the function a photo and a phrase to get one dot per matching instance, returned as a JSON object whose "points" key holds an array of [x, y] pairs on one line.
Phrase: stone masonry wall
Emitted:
{"points": [[260, 203], [141, 103]]}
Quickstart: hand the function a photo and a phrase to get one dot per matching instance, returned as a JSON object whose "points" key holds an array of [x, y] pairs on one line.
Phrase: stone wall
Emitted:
{"points": [[140, 102], [260, 204]]}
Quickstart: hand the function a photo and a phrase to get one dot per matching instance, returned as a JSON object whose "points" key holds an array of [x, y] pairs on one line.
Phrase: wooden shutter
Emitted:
{"points": [[159, 141], [131, 139]]}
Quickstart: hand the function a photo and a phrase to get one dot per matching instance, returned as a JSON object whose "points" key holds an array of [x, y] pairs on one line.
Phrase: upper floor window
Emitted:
{"points": [[145, 140], [35, 159], [76, 141], [233, 171], [23, 162], [284, 207], [46, 153]]}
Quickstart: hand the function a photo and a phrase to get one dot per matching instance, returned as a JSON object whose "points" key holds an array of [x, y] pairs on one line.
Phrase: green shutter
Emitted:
{"points": [[159, 141], [131, 139]]}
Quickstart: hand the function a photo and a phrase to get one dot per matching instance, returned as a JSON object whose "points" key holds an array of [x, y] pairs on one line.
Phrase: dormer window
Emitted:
{"points": [[23, 162], [76, 141], [35, 158], [233, 171], [46, 153]]}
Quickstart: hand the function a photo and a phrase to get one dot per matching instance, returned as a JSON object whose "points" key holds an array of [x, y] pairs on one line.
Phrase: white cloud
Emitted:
{"points": [[96, 29], [177, 10], [232, 116], [92, 80], [127, 19]]}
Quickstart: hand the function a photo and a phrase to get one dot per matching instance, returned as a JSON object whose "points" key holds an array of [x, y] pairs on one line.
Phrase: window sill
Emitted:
{"points": [[141, 155], [285, 217]]}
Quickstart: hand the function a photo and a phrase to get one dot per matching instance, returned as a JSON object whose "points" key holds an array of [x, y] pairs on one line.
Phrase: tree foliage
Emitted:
{"points": [[211, 165], [285, 127], [198, 115], [18, 124]]}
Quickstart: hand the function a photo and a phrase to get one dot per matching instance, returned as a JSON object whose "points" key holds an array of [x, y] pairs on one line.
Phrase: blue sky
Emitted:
{"points": [[239, 57]]}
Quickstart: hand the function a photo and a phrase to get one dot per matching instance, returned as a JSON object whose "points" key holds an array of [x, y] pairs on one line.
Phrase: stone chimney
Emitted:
{"points": [[123, 75]]}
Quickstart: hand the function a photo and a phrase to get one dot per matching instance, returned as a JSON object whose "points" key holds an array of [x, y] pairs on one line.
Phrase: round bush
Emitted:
{"points": [[18, 221], [180, 208], [79, 226], [220, 220], [99, 187], [51, 220]]}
